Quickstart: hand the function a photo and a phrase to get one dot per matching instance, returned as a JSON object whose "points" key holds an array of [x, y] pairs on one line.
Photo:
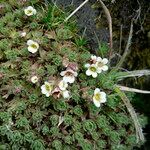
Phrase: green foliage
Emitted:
{"points": [[31, 120], [57, 60], [45, 130], [73, 56], [37, 144], [64, 34], [68, 139], [78, 136], [54, 131], [60, 105], [54, 120], [57, 145], [89, 126], [33, 98], [68, 120], [37, 116], [86, 145], [20, 106], [95, 135], [29, 137], [52, 69], [22, 122], [102, 121], [78, 111], [103, 49], [80, 41], [5, 116], [101, 144]]}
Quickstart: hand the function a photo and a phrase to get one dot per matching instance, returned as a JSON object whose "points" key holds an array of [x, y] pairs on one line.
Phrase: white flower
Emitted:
{"points": [[92, 70], [61, 89], [34, 79], [69, 75], [56, 92], [47, 88], [23, 34], [93, 59], [29, 11], [66, 94], [62, 85], [99, 97], [32, 46], [101, 63]]}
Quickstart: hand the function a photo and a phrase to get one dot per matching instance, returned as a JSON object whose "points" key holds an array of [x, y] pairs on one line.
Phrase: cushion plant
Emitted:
{"points": [[56, 94]]}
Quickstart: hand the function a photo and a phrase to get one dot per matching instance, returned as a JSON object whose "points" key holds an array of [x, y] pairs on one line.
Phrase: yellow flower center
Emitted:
{"points": [[97, 96], [29, 11], [34, 46], [35, 79], [93, 69], [48, 87]]}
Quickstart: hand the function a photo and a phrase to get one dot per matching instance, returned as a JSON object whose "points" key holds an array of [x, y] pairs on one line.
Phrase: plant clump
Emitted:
{"points": [[55, 94]]}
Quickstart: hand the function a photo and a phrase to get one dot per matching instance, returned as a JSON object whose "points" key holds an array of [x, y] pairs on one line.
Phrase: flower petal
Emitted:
{"points": [[32, 50], [87, 65], [88, 72], [34, 11], [44, 91], [34, 79], [93, 57], [96, 103], [105, 61], [23, 34], [42, 87], [37, 45], [75, 74], [29, 42], [30, 7], [104, 68], [97, 90], [94, 74], [69, 79], [99, 59], [63, 73], [66, 94], [103, 97], [47, 94], [29, 11], [62, 85], [46, 83], [99, 70]]}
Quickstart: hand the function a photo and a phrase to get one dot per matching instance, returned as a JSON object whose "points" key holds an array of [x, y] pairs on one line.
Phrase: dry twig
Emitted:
{"points": [[109, 19], [132, 112], [125, 88], [136, 73], [120, 39], [81, 5], [127, 47]]}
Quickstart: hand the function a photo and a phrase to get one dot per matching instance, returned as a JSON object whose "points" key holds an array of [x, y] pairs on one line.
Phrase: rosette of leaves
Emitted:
{"points": [[28, 119]]}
